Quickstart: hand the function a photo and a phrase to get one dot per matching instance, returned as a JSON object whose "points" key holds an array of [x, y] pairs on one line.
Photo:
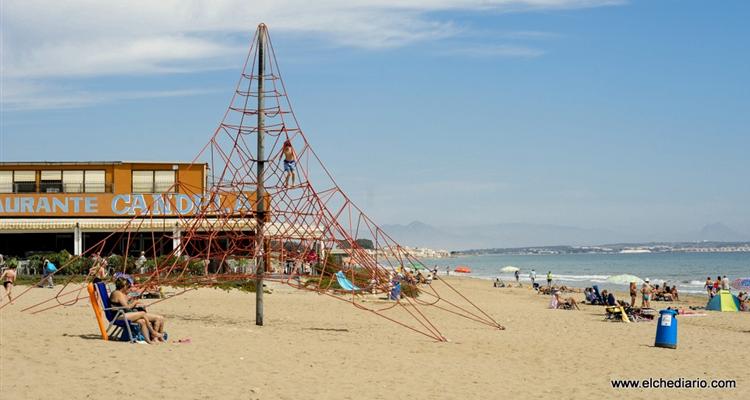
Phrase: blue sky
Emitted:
{"points": [[625, 115]]}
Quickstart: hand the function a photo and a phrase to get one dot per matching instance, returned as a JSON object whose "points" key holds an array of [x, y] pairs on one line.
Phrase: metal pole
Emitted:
{"points": [[260, 192]]}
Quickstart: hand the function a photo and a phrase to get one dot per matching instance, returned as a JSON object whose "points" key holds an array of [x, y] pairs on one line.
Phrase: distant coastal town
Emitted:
{"points": [[423, 252], [623, 248]]}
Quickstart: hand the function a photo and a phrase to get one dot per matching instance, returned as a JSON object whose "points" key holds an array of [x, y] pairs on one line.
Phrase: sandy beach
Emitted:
{"points": [[314, 347]]}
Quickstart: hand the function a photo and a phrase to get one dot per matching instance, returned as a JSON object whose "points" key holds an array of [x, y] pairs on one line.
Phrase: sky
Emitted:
{"points": [[629, 116]]}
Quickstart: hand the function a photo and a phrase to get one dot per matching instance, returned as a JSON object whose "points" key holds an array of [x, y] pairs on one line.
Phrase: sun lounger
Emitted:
{"points": [[617, 312]]}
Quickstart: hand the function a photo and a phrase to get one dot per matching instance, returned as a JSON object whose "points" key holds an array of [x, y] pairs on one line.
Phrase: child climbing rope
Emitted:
{"points": [[290, 159]]}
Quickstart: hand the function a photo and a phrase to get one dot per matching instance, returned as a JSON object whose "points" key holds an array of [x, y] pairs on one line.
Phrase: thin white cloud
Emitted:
{"points": [[31, 95], [47, 40], [494, 51], [117, 56], [92, 37]]}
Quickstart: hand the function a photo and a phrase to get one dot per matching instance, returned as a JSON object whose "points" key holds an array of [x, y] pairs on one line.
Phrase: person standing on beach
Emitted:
{"points": [[549, 278], [724, 283], [532, 276], [140, 263], [709, 287], [633, 293], [290, 160], [646, 291], [517, 276], [8, 277]]}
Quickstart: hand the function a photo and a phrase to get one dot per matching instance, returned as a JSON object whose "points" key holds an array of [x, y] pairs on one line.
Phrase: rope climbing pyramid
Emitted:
{"points": [[271, 211]]}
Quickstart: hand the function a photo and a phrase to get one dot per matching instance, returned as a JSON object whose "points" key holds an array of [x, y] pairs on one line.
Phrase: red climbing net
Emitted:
{"points": [[304, 233]]}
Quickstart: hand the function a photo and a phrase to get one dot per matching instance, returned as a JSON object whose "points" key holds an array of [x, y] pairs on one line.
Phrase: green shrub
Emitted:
{"points": [[195, 266], [408, 290], [36, 261], [247, 285], [324, 282]]}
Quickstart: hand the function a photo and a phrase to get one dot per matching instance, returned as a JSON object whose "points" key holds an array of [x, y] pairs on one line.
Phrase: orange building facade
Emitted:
{"points": [[50, 206]]}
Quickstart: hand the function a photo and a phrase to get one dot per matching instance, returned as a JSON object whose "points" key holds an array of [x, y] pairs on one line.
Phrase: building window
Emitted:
{"points": [[153, 181], [164, 181], [72, 181], [143, 181], [24, 181], [6, 181], [94, 182], [51, 182]]}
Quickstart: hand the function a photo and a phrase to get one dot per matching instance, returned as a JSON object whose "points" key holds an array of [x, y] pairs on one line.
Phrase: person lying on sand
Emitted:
{"points": [[152, 325]]}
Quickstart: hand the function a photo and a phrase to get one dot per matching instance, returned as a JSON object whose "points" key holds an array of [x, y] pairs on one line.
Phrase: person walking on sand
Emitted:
{"points": [[646, 291], [532, 276], [709, 287], [49, 269], [290, 160], [517, 275], [633, 293], [549, 278], [8, 277]]}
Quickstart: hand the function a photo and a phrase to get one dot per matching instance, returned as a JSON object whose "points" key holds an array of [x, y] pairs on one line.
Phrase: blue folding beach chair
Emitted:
{"points": [[120, 328], [599, 298]]}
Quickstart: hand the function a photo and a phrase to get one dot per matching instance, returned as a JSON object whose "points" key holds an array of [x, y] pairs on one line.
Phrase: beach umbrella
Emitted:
{"points": [[418, 266], [509, 268], [741, 284], [624, 279]]}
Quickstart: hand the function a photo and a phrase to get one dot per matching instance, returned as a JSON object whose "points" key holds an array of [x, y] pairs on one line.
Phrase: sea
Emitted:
{"points": [[687, 270]]}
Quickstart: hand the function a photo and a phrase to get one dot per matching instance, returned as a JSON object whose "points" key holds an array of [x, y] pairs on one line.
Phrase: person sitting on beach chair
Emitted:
{"points": [[590, 295], [152, 325], [598, 298], [608, 299]]}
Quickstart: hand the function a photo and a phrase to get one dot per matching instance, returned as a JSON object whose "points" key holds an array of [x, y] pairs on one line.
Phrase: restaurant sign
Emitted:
{"points": [[119, 205]]}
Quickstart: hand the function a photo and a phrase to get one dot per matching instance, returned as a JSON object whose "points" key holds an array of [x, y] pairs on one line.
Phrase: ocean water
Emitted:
{"points": [[687, 270]]}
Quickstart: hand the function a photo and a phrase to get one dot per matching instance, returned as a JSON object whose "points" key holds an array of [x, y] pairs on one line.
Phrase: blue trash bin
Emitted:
{"points": [[666, 329]]}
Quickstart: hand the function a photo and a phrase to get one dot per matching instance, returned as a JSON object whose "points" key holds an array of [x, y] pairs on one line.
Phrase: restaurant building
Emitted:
{"points": [[51, 206]]}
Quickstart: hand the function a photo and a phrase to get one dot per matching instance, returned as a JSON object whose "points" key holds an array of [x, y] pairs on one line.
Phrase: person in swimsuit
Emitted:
{"points": [[717, 284], [290, 160], [99, 270], [633, 293], [709, 287], [8, 277], [646, 291], [152, 325]]}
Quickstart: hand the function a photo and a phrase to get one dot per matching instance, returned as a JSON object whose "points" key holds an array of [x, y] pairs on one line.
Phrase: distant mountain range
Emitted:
{"points": [[510, 235]]}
